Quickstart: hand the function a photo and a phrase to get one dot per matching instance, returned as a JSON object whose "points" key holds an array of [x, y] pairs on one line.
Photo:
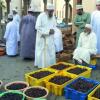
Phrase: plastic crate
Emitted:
{"points": [[93, 61], [90, 96], [57, 89], [71, 66], [34, 81], [93, 67], [76, 95], [86, 74]]}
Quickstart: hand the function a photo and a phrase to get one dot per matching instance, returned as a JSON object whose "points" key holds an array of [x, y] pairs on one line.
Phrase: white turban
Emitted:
{"points": [[88, 26], [50, 6], [30, 10], [10, 16], [97, 2], [79, 7], [15, 10]]}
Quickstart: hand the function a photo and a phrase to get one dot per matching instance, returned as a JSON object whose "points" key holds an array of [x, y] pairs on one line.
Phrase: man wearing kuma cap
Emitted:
{"points": [[95, 22], [28, 35], [45, 54], [86, 46], [81, 19]]}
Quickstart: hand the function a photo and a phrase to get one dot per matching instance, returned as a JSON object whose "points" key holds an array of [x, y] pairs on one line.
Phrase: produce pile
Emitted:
{"points": [[36, 92], [12, 96], [60, 66], [77, 71], [82, 85], [41, 74], [59, 80], [97, 94], [16, 86]]}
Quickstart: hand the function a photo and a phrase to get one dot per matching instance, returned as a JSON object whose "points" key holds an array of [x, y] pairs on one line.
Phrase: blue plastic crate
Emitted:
{"points": [[77, 95], [93, 67]]}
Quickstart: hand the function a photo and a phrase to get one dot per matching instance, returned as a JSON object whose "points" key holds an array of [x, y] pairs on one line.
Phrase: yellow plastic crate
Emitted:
{"points": [[86, 74], [57, 89], [90, 96], [34, 81], [93, 61], [71, 66]]}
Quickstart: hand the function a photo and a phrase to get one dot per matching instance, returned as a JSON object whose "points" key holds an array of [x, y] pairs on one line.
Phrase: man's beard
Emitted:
{"points": [[80, 13], [50, 15]]}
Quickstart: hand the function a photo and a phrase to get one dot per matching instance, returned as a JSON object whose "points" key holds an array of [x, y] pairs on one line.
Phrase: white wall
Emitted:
{"points": [[37, 5], [14, 4], [89, 5]]}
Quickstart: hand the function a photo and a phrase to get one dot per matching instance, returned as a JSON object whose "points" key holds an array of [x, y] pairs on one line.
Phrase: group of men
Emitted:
{"points": [[87, 37], [39, 38]]}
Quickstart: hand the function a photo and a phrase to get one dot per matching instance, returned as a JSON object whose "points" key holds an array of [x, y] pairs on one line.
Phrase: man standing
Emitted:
{"points": [[81, 19], [15, 15], [16, 18], [28, 35], [95, 22], [86, 46], [11, 37], [45, 54]]}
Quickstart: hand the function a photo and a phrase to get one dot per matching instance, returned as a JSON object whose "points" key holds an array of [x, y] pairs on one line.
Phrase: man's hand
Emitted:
{"points": [[51, 31]]}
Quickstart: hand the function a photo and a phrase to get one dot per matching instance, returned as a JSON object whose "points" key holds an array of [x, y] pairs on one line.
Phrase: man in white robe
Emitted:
{"points": [[17, 19], [45, 54], [11, 37], [95, 22], [58, 40], [86, 46]]}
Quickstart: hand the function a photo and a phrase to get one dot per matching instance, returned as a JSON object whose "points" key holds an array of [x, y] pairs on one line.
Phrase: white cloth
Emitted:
{"points": [[79, 7], [88, 26], [16, 19], [86, 47], [11, 39], [95, 22], [58, 40], [97, 2], [45, 47], [50, 6]]}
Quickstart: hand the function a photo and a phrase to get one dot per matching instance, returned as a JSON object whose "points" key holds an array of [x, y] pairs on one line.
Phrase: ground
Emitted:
{"points": [[14, 69]]}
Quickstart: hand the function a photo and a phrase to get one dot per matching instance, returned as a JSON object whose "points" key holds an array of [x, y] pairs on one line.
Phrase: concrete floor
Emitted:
{"points": [[14, 69]]}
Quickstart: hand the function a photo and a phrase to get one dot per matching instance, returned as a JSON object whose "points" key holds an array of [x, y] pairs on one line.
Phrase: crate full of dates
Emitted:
{"points": [[56, 83], [36, 78], [80, 88], [95, 94], [60, 66], [79, 71]]}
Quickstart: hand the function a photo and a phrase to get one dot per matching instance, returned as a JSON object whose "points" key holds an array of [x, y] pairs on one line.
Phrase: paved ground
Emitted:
{"points": [[12, 69]]}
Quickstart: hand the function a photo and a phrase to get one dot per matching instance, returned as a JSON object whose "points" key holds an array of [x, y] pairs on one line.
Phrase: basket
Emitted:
{"points": [[40, 98], [16, 82], [13, 92]]}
